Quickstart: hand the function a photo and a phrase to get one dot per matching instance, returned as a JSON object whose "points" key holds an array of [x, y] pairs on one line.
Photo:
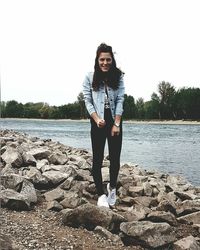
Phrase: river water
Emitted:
{"points": [[172, 149]]}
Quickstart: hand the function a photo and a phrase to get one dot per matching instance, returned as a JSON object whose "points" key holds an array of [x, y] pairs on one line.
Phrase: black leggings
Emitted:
{"points": [[98, 138]]}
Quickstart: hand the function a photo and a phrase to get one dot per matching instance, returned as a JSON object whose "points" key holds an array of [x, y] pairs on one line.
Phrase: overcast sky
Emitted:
{"points": [[47, 46]]}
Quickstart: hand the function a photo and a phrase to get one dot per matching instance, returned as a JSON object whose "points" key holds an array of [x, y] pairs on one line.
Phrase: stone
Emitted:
{"points": [[55, 177], [122, 192], [84, 175], [187, 243], [105, 174], [161, 216], [193, 218], [145, 201], [71, 200], [55, 194], [7, 170], [28, 159], [14, 200], [90, 216], [34, 175], [41, 164], [127, 200], [148, 191], [12, 181], [136, 191], [187, 207], [136, 213], [54, 206], [58, 158], [185, 195], [107, 234], [150, 234], [7, 242], [13, 157], [28, 191], [67, 184], [39, 153]]}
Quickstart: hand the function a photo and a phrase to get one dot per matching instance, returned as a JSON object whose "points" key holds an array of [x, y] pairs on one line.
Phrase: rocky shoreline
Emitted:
{"points": [[48, 201]]}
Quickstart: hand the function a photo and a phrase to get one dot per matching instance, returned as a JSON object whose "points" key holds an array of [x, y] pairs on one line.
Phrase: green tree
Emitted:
{"points": [[73, 110], [63, 110], [167, 98], [140, 108], [28, 111], [129, 107], [3, 109], [31, 110], [81, 102], [44, 111], [188, 103], [70, 111], [152, 107], [54, 113], [14, 109]]}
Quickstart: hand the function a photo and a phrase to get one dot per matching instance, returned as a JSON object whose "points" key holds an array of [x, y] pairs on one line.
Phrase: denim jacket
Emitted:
{"points": [[94, 100]]}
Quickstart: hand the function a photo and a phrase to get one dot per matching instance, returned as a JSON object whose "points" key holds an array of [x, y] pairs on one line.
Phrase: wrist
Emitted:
{"points": [[117, 124]]}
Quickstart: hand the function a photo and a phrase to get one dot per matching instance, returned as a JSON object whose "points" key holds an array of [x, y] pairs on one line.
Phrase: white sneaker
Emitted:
{"points": [[111, 195], [102, 201]]}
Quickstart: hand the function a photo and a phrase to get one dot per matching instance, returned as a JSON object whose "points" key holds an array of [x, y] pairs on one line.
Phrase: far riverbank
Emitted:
{"points": [[172, 122], [167, 122]]}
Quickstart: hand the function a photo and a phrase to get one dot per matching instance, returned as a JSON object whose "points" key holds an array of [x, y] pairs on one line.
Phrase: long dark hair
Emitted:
{"points": [[112, 76]]}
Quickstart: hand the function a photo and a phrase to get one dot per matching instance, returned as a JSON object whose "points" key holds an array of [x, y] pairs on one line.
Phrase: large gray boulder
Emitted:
{"points": [[28, 159], [12, 181], [13, 157], [55, 177], [14, 200], [187, 243], [19, 193], [193, 218], [151, 235], [40, 153], [71, 200], [58, 158], [90, 216], [188, 206], [34, 175]]}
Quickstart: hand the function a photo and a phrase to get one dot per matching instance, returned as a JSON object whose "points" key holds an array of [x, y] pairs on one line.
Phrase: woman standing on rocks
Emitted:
{"points": [[103, 92]]}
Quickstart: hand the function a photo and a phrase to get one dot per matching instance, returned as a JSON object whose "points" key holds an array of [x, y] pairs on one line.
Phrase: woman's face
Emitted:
{"points": [[105, 61]]}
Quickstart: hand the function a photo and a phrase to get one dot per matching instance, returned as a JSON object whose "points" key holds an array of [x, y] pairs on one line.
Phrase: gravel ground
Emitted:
{"points": [[42, 229]]}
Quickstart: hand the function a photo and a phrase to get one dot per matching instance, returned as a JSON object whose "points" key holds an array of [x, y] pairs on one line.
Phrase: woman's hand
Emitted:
{"points": [[100, 123], [115, 130]]}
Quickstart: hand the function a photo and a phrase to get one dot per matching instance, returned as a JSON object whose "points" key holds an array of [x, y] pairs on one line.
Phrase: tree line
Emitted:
{"points": [[167, 103]]}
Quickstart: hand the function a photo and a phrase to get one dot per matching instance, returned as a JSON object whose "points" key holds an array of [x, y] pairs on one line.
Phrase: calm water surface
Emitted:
{"points": [[172, 149]]}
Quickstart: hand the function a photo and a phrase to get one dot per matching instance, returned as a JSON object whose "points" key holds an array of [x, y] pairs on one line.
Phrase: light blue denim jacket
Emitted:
{"points": [[94, 100]]}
